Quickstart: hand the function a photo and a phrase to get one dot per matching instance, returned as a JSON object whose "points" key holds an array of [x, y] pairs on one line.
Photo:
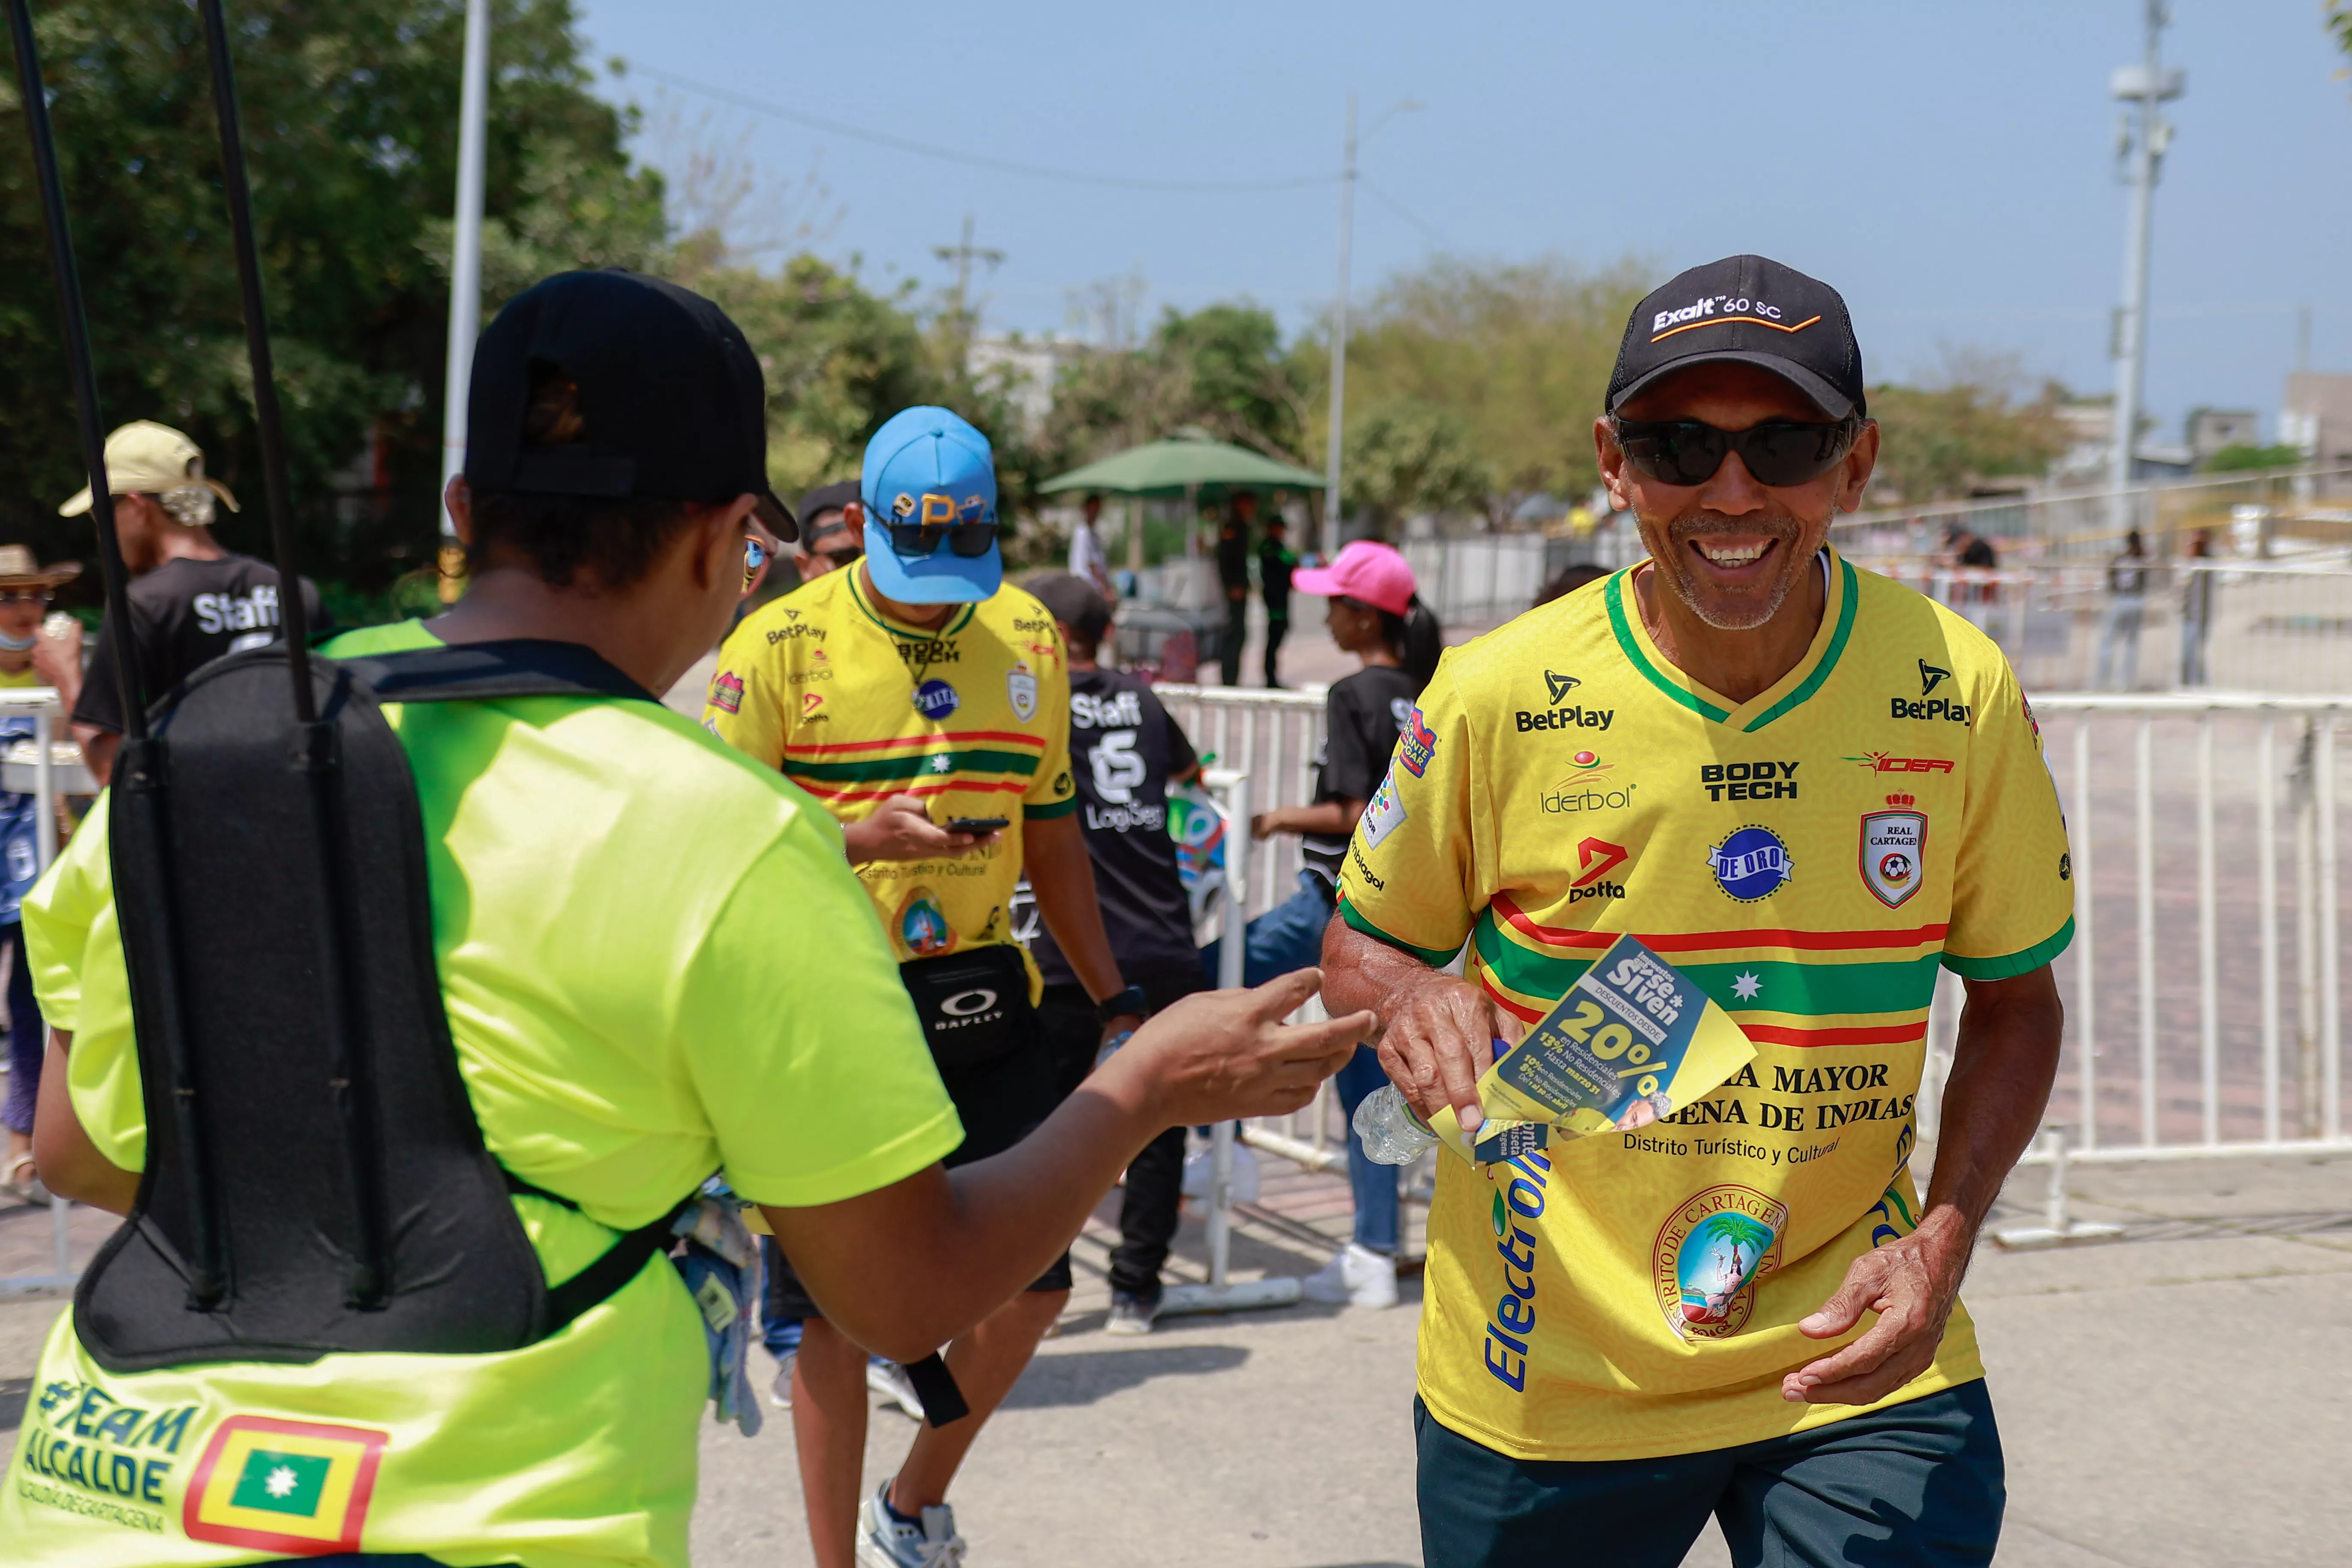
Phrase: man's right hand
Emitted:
{"points": [[1219, 1054], [1437, 1031], [901, 830]]}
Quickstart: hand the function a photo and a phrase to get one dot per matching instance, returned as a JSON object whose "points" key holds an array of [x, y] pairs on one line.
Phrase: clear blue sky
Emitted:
{"points": [[1949, 168]]}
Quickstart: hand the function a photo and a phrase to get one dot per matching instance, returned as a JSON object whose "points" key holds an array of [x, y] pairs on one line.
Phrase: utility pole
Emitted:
{"points": [[2145, 135], [963, 256], [465, 272], [1340, 344]]}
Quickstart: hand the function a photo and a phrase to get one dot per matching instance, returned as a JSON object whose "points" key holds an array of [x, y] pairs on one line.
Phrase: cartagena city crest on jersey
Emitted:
{"points": [[298, 1488], [923, 928], [1020, 690], [1893, 850], [1708, 1255]]}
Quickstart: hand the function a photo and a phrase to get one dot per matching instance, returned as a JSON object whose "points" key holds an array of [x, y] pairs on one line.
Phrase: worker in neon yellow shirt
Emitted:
{"points": [[606, 882], [1811, 790]]}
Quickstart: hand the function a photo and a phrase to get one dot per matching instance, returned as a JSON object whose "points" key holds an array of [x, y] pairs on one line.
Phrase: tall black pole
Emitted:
{"points": [[78, 366], [296, 614], [137, 803]]}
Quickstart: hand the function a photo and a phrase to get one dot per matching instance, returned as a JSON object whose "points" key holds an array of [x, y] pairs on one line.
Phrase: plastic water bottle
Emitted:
{"points": [[1393, 1133]]}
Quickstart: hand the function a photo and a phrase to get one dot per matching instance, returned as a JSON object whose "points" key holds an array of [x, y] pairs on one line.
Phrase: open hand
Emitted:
{"points": [[901, 830], [1912, 1284], [1219, 1054]]}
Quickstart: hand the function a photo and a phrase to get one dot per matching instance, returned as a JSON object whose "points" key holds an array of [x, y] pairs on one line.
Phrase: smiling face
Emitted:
{"points": [[1733, 549]]}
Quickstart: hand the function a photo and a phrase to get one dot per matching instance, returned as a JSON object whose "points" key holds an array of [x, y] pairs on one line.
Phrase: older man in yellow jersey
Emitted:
{"points": [[1811, 789]]}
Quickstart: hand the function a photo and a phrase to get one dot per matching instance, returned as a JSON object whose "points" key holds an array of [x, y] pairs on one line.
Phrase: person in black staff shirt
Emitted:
{"points": [[1232, 572], [1377, 614], [1274, 565], [828, 540], [191, 601], [1125, 751]]}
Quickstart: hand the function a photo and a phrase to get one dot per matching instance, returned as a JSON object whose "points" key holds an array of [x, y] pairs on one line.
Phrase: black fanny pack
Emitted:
{"points": [[974, 1006]]}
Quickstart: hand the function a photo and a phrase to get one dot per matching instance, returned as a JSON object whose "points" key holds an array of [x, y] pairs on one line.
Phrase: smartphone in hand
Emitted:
{"points": [[977, 824]]}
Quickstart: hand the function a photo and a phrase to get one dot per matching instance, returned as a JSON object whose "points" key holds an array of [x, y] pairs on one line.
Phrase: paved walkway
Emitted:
{"points": [[2176, 1397]]}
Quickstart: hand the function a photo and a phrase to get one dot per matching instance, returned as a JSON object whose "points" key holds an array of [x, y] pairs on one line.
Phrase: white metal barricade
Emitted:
{"points": [[2204, 986], [41, 703]]}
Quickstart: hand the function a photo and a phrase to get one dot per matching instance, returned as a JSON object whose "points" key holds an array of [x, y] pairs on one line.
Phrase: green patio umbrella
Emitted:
{"points": [[1185, 466]]}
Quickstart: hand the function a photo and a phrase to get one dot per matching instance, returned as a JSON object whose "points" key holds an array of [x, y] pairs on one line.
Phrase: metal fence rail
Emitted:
{"points": [[40, 703], [2204, 988]]}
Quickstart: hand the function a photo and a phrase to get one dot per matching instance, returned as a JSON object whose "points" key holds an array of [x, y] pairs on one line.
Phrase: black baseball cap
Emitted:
{"points": [[1748, 310], [834, 497], [1075, 602], [672, 396]]}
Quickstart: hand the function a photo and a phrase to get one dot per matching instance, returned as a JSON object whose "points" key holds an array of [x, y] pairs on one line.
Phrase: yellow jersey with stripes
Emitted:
{"points": [[855, 707], [1811, 859]]}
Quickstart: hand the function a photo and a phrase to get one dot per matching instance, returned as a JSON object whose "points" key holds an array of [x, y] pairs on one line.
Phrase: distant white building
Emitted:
{"points": [[1027, 366], [2317, 417]]}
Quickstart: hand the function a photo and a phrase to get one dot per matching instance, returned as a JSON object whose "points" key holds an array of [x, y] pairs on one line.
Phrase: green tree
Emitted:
{"points": [[1967, 423], [1518, 354], [2246, 455], [349, 118], [1221, 369], [1405, 457]]}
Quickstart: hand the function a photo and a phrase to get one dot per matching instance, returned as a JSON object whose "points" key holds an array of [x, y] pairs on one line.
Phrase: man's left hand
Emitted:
{"points": [[1912, 1284]]}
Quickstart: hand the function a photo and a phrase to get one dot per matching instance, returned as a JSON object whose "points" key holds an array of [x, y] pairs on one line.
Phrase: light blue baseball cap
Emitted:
{"points": [[926, 466]]}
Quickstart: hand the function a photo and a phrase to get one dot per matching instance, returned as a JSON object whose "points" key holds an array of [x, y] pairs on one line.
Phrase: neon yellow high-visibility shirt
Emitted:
{"points": [[621, 909], [1810, 858]]}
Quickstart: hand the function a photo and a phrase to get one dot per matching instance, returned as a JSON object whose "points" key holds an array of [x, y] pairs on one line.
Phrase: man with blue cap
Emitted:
{"points": [[926, 704]]}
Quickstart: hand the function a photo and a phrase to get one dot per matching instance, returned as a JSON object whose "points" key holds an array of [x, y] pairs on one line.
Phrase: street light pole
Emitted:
{"points": [[1340, 344], [2144, 86], [466, 257]]}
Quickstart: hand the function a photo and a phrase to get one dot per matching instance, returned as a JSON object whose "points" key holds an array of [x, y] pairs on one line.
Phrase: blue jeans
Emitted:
{"points": [[1290, 936]]}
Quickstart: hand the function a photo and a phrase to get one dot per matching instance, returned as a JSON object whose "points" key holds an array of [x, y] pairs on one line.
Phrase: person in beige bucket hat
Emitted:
{"points": [[191, 600]]}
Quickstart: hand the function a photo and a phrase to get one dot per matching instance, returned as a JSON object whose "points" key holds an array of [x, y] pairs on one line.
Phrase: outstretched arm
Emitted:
{"points": [[2001, 1070], [904, 1270]]}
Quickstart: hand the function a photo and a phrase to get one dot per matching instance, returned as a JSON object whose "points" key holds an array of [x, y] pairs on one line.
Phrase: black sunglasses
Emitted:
{"points": [[969, 529], [1778, 452]]}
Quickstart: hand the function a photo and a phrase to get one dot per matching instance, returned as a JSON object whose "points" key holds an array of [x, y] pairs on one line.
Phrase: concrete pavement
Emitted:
{"points": [[2175, 1397]]}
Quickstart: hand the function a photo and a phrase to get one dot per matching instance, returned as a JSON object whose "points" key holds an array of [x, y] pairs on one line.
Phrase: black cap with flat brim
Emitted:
{"points": [[671, 397], [1745, 310]]}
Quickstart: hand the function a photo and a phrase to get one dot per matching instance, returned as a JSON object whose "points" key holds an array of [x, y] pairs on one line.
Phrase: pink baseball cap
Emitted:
{"points": [[1368, 571]]}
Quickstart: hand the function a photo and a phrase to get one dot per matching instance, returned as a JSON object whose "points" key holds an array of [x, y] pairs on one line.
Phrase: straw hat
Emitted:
{"points": [[19, 568], [143, 457]]}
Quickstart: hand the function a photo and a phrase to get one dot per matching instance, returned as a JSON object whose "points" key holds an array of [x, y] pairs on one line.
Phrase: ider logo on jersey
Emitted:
{"points": [[1893, 850], [1880, 762], [1748, 781]]}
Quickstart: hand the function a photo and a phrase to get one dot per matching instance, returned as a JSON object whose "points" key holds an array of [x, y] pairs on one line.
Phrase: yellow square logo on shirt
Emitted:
{"points": [[299, 1487]]}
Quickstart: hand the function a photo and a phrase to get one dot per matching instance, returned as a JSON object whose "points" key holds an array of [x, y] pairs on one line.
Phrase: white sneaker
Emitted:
{"points": [[1355, 1277], [883, 1541], [890, 1379], [780, 1392], [1246, 1174], [1130, 1314]]}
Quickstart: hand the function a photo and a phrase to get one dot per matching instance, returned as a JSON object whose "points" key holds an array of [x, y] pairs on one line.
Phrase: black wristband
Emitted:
{"points": [[1130, 1001]]}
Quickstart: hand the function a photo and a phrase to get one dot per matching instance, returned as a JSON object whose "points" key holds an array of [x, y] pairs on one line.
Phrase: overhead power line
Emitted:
{"points": [[971, 160]]}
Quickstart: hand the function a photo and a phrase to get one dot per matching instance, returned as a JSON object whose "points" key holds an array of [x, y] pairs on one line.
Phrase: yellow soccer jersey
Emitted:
{"points": [[854, 708], [1810, 859]]}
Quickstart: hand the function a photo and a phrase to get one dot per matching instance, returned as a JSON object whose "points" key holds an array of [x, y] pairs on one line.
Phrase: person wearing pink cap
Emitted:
{"points": [[1375, 613]]}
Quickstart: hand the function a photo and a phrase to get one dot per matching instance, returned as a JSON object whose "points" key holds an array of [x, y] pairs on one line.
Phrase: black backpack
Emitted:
{"points": [[315, 1181]]}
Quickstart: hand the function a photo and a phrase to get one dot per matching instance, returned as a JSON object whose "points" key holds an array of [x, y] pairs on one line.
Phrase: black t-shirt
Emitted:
{"points": [[1275, 566], [1233, 554], [1123, 749], [184, 615], [1365, 714]]}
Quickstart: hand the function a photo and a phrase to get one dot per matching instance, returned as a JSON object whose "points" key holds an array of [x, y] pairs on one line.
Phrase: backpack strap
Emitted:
{"points": [[615, 1266], [485, 671]]}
